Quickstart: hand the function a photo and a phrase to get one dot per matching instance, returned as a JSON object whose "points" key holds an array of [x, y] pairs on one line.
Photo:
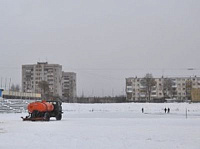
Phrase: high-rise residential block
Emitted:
{"points": [[69, 86], [42, 71]]}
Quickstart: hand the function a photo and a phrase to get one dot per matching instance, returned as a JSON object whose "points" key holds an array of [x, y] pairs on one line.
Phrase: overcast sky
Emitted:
{"points": [[103, 41]]}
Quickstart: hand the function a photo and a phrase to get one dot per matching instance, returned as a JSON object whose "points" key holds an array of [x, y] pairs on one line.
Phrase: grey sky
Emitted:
{"points": [[103, 41]]}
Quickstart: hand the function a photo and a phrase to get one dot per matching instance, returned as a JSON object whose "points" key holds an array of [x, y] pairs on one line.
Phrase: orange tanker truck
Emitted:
{"points": [[44, 110]]}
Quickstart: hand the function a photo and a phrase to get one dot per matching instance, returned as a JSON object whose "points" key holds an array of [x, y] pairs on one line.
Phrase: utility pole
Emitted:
{"points": [[5, 83], [1, 81], [9, 85], [186, 113], [112, 92], [82, 93]]}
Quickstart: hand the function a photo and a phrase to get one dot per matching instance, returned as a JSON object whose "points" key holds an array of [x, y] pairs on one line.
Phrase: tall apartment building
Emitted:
{"points": [[69, 86], [42, 71], [181, 88]]}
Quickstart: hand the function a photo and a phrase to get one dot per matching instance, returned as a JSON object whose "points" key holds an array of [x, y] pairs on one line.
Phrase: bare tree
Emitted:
{"points": [[167, 87], [12, 88], [15, 88], [148, 82], [44, 86]]}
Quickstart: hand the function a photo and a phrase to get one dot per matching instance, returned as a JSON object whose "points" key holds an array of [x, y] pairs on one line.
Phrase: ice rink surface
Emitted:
{"points": [[107, 126]]}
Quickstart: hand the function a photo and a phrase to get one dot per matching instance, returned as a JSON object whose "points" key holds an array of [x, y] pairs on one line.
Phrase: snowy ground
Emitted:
{"points": [[107, 126]]}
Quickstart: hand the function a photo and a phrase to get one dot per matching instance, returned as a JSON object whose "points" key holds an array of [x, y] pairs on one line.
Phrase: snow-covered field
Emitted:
{"points": [[107, 126]]}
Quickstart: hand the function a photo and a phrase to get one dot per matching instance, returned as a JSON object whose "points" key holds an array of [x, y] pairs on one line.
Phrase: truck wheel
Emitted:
{"points": [[59, 116], [47, 116], [34, 114]]}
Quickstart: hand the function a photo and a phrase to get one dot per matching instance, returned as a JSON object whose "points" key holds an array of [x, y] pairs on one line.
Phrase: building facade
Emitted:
{"points": [[180, 88], [69, 86], [42, 71]]}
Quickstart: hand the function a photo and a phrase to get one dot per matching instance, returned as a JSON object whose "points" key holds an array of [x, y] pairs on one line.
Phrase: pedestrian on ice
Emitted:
{"points": [[165, 110], [168, 110], [142, 110]]}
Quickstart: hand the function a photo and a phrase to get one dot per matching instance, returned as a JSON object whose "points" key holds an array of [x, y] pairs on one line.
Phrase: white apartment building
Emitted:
{"points": [[136, 92], [42, 71], [69, 86]]}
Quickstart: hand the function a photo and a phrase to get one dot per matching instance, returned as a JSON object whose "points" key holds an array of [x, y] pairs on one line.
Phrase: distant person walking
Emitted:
{"points": [[168, 110], [142, 110], [165, 110]]}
